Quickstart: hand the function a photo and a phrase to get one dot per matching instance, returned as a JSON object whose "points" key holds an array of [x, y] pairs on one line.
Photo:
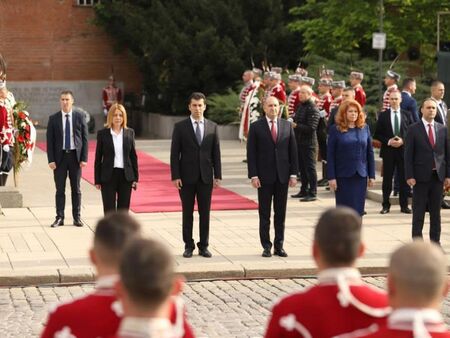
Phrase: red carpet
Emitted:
{"points": [[155, 192]]}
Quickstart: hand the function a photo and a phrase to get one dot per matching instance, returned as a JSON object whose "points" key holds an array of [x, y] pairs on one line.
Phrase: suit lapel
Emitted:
{"points": [[390, 122], [424, 132], [60, 126], [191, 130]]}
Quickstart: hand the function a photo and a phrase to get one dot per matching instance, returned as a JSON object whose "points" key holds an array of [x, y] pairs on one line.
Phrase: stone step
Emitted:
{"points": [[10, 197]]}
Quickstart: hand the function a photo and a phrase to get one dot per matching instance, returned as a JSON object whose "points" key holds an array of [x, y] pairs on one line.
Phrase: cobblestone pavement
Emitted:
{"points": [[236, 308]]}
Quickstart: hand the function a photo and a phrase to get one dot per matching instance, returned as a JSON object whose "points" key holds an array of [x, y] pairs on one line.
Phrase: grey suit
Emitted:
{"points": [[67, 162]]}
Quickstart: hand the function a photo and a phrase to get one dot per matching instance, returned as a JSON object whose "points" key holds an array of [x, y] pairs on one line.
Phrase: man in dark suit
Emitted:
{"points": [[67, 153], [427, 168], [409, 103], [272, 167], [390, 130], [196, 168]]}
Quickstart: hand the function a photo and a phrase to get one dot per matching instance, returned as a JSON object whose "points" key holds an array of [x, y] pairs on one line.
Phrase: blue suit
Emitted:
{"points": [[350, 162], [409, 103]]}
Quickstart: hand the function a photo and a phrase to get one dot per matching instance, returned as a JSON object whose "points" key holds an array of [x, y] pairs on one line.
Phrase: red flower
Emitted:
{"points": [[20, 138], [22, 115]]}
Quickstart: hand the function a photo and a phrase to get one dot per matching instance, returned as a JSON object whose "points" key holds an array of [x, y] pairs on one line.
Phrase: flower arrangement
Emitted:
{"points": [[25, 138]]}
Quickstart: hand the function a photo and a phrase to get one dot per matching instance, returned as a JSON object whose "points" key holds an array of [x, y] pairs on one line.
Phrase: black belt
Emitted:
{"points": [[68, 151]]}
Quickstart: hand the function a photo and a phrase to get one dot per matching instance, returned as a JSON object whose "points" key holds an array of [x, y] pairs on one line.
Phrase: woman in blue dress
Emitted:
{"points": [[350, 159]]}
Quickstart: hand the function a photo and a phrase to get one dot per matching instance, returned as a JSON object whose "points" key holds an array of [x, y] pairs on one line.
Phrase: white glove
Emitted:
{"points": [[6, 148], [323, 113], [105, 111]]}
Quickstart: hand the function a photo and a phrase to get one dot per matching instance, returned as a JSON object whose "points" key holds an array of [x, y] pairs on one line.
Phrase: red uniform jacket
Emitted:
{"points": [[6, 130], [324, 103], [340, 303], [279, 93], [408, 323], [293, 102], [98, 315], [360, 95], [335, 102]]}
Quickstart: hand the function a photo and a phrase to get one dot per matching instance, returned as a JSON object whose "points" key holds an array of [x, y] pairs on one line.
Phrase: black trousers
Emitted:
{"points": [[188, 193], [427, 193], [69, 165], [308, 173], [278, 192], [391, 163], [116, 194]]}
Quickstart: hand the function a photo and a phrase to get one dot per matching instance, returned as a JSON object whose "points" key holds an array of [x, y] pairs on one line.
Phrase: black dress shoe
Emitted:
{"points": [[299, 195], [266, 253], [308, 198], [445, 205], [204, 253], [59, 221], [280, 252], [78, 222], [188, 253], [322, 183], [406, 210], [385, 210]]}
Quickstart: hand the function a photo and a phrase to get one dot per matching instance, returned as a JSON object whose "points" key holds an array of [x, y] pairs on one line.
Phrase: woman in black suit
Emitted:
{"points": [[116, 166]]}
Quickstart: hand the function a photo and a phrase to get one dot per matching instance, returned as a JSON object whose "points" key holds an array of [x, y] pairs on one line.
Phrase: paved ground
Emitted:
{"points": [[229, 309], [32, 252]]}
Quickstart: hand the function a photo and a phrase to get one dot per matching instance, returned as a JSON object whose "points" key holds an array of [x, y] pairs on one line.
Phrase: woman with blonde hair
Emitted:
{"points": [[350, 159], [116, 165]]}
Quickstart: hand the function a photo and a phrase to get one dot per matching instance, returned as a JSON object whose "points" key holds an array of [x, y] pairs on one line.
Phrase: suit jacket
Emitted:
{"points": [[268, 160], [419, 154], [55, 137], [440, 114], [410, 104], [350, 153], [384, 132], [104, 156], [190, 161]]}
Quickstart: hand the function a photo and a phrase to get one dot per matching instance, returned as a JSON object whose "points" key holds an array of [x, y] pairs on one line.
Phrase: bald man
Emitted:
{"points": [[272, 167], [417, 286]]}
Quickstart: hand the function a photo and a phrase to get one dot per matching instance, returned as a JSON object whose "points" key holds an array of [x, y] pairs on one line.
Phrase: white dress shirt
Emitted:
{"points": [[201, 124], [72, 142], [275, 124], [425, 123], [118, 148]]}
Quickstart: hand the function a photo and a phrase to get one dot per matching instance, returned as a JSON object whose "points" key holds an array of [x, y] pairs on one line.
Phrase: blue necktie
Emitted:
{"points": [[67, 134]]}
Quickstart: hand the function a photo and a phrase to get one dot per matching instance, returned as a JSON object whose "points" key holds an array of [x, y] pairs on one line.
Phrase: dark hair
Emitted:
{"points": [[147, 272], [111, 235], [349, 89], [407, 81], [338, 236], [67, 92], [197, 96]]}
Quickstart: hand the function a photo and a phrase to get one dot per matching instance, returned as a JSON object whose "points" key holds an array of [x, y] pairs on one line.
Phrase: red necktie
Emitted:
{"points": [[273, 131], [430, 135]]}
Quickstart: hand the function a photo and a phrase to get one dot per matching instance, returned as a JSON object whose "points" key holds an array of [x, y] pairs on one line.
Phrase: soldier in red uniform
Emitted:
{"points": [[323, 105], [340, 298], [111, 94], [355, 81], [337, 87], [293, 98], [247, 78], [327, 74], [99, 313], [277, 91], [147, 281], [390, 80], [417, 286]]}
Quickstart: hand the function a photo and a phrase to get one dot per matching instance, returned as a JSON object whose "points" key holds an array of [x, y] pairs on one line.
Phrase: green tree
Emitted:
{"points": [[196, 45], [330, 26]]}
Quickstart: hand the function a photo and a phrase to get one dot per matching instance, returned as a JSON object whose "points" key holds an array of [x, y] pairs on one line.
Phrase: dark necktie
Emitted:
{"points": [[198, 133], [396, 124], [67, 134], [273, 131]]}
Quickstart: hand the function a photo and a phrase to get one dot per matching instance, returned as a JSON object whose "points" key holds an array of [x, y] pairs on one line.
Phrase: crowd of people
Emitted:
{"points": [[139, 294], [331, 126]]}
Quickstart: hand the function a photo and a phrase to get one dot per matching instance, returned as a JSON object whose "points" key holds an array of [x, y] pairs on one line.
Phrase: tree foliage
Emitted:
{"points": [[198, 45], [329, 26]]}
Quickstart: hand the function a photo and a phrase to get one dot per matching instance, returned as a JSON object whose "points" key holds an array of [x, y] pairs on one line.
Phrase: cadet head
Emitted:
{"points": [[417, 276], [247, 76], [110, 237], [337, 238], [147, 273]]}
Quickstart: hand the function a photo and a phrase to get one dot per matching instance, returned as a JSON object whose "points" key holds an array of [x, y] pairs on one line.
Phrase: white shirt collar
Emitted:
{"points": [[201, 121], [132, 327], [269, 120], [107, 282], [113, 133], [331, 275], [427, 123], [420, 321], [64, 113]]}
